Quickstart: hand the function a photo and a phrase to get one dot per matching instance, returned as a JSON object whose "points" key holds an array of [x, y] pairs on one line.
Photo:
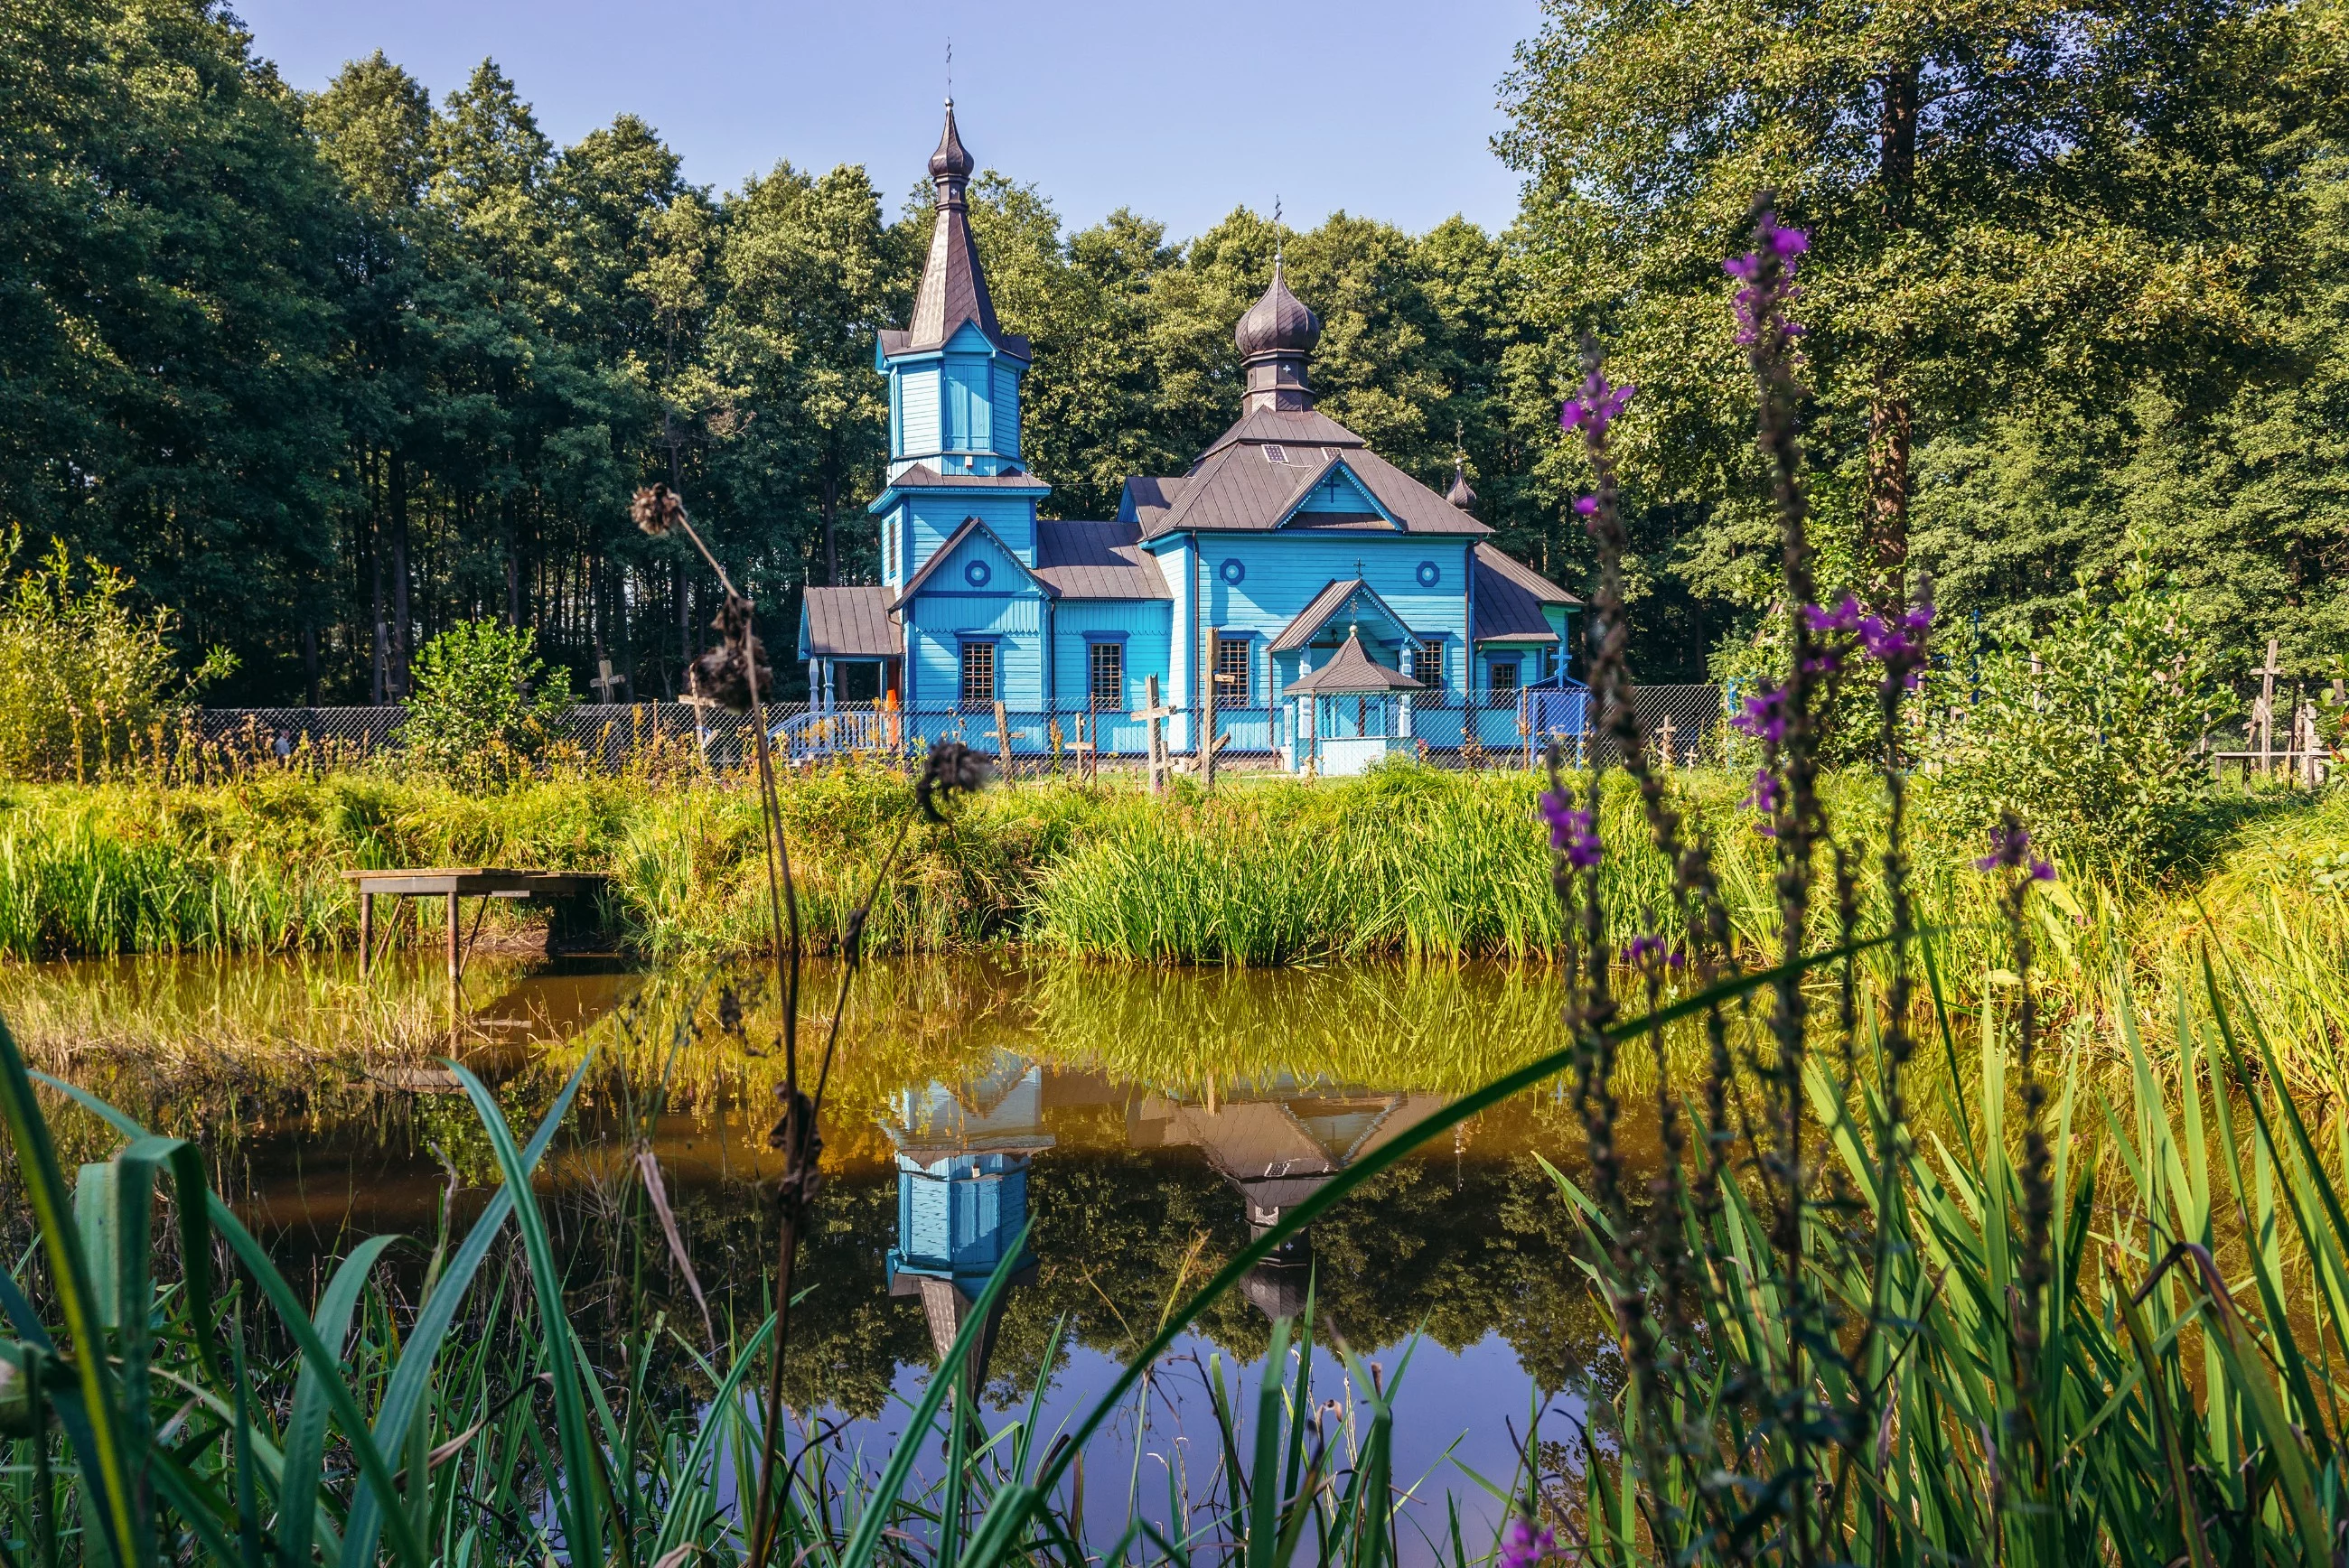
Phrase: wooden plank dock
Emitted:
{"points": [[453, 883]]}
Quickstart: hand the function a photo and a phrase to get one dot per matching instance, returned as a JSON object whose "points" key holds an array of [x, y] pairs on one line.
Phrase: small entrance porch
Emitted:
{"points": [[1348, 713]]}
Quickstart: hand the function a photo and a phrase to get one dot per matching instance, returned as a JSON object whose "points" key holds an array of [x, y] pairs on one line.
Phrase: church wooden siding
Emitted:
{"points": [[1143, 625]]}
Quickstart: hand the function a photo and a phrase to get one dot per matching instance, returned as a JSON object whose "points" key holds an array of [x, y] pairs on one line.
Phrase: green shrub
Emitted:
{"points": [[2088, 732], [82, 677], [485, 708]]}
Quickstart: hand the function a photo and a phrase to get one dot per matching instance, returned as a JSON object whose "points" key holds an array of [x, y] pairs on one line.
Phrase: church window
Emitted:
{"points": [[1505, 678], [1426, 662], [978, 675], [1105, 673], [1231, 669], [1275, 455]]}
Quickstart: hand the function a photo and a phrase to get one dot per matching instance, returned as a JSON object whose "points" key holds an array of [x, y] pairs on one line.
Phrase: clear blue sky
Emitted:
{"points": [[1183, 111]]}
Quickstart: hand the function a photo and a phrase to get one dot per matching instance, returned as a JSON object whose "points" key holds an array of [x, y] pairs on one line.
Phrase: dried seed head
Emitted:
{"points": [[950, 767], [658, 510], [724, 674]]}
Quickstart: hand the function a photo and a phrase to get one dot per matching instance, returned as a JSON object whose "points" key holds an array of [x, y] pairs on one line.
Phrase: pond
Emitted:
{"points": [[1141, 1124]]}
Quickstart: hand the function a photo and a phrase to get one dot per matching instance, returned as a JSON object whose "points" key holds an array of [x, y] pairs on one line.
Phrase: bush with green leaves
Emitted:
{"points": [[2089, 732], [83, 677], [485, 705]]}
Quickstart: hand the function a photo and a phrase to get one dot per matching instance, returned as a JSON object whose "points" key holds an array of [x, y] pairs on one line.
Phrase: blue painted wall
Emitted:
{"points": [[1144, 626]]}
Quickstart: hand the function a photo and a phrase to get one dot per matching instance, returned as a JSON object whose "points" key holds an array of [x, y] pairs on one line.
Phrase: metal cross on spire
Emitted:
{"points": [[950, 69], [1276, 232]]}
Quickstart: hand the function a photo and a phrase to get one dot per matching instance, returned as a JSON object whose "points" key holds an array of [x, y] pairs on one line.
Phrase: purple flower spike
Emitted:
{"points": [[2010, 846], [1596, 405], [1571, 831], [1522, 1545], [1588, 505], [1844, 617], [1756, 301], [1765, 718], [2042, 872]]}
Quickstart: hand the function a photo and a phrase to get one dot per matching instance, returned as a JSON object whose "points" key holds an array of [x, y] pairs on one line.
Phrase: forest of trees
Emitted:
{"points": [[326, 373]]}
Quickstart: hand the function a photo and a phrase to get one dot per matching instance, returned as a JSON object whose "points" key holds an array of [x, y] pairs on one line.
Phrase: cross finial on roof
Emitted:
{"points": [[950, 70], [1276, 234]]}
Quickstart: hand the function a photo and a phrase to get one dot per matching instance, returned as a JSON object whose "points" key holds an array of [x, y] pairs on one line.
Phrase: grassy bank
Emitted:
{"points": [[1405, 863]]}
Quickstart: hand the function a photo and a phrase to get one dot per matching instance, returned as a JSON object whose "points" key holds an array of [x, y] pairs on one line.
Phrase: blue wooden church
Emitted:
{"points": [[1305, 597]]}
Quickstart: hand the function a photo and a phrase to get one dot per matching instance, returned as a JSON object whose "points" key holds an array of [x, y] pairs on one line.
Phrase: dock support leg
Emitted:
{"points": [[454, 959], [366, 931]]}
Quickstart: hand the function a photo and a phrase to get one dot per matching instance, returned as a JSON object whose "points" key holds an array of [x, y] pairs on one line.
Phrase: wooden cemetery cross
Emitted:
{"points": [[2263, 716], [1082, 748], [1666, 735], [1002, 739], [1155, 715], [606, 682]]}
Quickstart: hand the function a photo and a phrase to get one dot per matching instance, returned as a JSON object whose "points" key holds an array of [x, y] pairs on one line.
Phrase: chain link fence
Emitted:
{"points": [[1489, 729]]}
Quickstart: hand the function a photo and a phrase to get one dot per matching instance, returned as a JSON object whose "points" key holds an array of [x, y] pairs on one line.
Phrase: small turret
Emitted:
{"points": [[1275, 338]]}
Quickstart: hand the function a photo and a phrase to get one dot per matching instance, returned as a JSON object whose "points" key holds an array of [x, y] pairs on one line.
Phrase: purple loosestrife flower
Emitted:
{"points": [[1647, 949], [1595, 407], [1569, 830], [1522, 1545], [1588, 505], [1754, 300], [1765, 718], [2010, 846], [1844, 617]]}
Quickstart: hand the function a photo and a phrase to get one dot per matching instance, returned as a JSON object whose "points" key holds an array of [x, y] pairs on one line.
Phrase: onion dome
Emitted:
{"points": [[1277, 324], [1459, 495], [951, 161]]}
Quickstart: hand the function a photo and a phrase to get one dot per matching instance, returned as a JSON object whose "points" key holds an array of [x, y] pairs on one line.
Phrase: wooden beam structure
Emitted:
{"points": [[453, 883]]}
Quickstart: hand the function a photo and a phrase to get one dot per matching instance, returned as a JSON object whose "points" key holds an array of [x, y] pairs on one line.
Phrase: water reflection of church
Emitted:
{"points": [[963, 1154]]}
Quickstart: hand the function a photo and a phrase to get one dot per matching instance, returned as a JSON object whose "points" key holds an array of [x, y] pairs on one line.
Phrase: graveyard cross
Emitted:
{"points": [[1156, 715], [605, 681], [2263, 716]]}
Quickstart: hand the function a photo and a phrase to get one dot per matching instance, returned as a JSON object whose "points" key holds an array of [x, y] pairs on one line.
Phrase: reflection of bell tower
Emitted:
{"points": [[962, 1196], [1278, 1151]]}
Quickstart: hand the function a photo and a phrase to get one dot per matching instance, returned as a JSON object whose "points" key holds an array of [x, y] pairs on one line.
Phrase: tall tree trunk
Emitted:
{"points": [[513, 557], [684, 627], [310, 654], [1888, 413], [831, 514], [400, 623]]}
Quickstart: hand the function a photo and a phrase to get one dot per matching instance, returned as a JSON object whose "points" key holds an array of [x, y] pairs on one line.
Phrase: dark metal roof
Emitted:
{"points": [[848, 623], [921, 476], [1290, 426], [1509, 597], [1235, 487], [970, 526], [1319, 610], [1277, 323], [953, 288], [1459, 495], [951, 161], [1145, 501], [1097, 561], [1352, 670]]}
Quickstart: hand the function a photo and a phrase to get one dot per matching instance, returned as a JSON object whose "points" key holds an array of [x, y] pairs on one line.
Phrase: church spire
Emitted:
{"points": [[953, 289]]}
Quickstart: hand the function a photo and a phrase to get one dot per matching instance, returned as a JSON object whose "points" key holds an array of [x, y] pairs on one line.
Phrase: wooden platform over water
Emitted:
{"points": [[455, 882]]}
